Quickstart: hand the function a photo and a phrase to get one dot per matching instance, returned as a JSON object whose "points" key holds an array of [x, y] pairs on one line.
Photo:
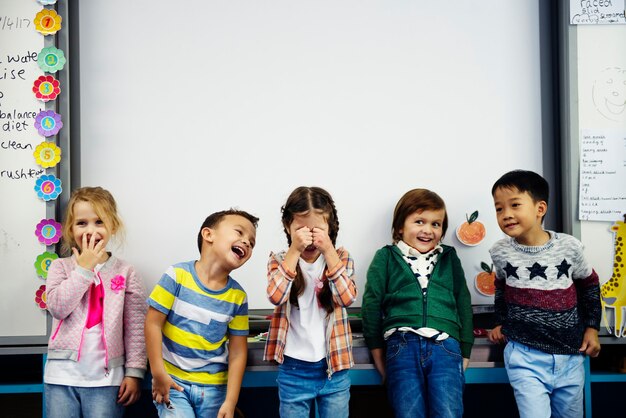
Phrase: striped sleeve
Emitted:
{"points": [[163, 295]]}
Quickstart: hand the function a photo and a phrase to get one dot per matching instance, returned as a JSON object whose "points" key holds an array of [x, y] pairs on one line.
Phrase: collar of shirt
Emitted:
{"points": [[409, 251]]}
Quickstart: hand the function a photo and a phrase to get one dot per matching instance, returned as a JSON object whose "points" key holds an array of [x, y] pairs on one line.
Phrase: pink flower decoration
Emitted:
{"points": [[41, 297], [48, 231], [118, 283]]}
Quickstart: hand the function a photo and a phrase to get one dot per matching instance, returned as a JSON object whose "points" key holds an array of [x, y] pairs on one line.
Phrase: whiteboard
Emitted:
{"points": [[20, 208], [187, 110]]}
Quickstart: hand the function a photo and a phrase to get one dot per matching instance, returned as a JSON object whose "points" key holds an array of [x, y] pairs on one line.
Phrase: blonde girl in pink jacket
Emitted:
{"points": [[96, 353]]}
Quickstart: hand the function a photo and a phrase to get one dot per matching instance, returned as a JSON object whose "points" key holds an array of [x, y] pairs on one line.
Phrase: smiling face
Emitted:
{"points": [[87, 222], [314, 218], [233, 238], [423, 229], [519, 216], [609, 93]]}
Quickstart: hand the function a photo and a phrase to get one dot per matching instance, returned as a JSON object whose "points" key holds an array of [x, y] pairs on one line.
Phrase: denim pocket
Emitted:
{"points": [[215, 331], [450, 346], [393, 350]]}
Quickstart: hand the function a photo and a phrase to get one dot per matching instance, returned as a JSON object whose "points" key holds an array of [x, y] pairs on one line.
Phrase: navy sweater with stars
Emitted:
{"points": [[546, 295]]}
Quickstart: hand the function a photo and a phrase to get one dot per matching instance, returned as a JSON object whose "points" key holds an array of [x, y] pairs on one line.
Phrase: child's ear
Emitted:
{"points": [[207, 234], [542, 208]]}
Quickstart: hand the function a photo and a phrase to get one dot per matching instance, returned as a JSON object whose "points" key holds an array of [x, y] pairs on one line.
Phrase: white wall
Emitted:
{"points": [[195, 107]]}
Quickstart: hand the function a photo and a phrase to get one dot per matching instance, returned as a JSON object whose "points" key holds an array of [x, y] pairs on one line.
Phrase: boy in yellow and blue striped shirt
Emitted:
{"points": [[197, 325]]}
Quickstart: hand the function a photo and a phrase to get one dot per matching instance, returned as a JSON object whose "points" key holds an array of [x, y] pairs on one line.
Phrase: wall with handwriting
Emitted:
{"points": [[20, 209]]}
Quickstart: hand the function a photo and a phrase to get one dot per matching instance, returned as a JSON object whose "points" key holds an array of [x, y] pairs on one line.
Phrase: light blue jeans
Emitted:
{"points": [[79, 402], [300, 383], [425, 377], [545, 385], [194, 401]]}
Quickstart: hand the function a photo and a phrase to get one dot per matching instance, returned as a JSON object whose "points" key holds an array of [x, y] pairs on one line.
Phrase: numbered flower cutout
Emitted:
{"points": [[42, 264], [47, 154], [41, 298], [51, 59], [485, 281], [48, 231], [471, 232], [48, 187], [48, 123], [46, 88], [47, 2], [47, 22]]}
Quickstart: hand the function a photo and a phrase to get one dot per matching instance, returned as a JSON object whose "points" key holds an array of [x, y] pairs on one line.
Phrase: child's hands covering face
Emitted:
{"points": [[302, 239], [91, 254], [321, 240]]}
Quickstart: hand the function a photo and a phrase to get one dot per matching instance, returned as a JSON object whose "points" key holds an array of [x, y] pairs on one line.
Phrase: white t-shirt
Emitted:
{"points": [[89, 370], [306, 337]]}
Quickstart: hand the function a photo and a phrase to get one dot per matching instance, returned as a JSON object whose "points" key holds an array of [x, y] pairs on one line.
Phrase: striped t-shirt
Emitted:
{"points": [[198, 323]]}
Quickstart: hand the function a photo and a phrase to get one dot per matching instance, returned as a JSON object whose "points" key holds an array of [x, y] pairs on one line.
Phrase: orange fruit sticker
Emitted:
{"points": [[471, 232], [485, 280]]}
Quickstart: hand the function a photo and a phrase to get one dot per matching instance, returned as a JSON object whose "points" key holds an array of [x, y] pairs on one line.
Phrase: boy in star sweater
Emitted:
{"points": [[547, 302]]}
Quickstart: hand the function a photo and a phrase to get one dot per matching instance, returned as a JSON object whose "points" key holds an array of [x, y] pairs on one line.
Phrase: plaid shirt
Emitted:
{"points": [[339, 335]]}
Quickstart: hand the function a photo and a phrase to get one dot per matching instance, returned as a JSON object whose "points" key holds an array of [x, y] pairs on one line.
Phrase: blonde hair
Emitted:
{"points": [[103, 204]]}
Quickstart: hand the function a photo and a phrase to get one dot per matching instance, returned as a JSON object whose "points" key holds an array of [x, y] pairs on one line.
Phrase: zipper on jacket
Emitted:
{"points": [[424, 303], [104, 339]]}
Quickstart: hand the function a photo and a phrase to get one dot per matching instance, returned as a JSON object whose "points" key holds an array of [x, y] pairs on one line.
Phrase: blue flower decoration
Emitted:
{"points": [[48, 187], [47, 2]]}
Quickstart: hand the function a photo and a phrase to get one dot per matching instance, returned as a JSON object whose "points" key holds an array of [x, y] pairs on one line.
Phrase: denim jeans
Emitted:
{"points": [[194, 401], [425, 377], [302, 382], [545, 385], [76, 402]]}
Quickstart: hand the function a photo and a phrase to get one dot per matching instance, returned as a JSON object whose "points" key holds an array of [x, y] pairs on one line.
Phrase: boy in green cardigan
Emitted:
{"points": [[417, 312]]}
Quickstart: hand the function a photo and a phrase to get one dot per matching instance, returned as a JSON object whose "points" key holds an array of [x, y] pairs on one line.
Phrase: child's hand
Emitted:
{"points": [[591, 343], [302, 239], [466, 362], [227, 410], [91, 254], [130, 391], [161, 385], [496, 336], [321, 240]]}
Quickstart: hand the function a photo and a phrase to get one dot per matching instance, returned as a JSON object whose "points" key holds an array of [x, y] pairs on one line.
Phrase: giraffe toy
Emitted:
{"points": [[613, 292]]}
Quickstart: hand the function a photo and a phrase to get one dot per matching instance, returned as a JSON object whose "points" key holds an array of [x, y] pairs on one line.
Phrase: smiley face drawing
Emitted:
{"points": [[609, 93]]}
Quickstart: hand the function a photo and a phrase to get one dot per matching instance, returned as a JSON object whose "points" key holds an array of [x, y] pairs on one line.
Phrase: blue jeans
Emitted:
{"points": [[425, 377], [545, 385], [302, 382], [76, 402], [194, 401]]}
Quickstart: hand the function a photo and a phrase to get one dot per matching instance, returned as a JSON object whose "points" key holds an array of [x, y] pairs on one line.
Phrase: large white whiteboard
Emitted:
{"points": [[20, 208], [198, 106]]}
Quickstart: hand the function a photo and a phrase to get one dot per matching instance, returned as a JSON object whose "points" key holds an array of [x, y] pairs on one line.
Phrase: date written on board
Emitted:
{"points": [[11, 23]]}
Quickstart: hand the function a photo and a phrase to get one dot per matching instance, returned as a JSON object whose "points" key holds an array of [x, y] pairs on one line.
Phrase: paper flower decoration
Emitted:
{"points": [[47, 22], [51, 59], [46, 88], [118, 283], [47, 154], [48, 231], [41, 297], [48, 123], [47, 2], [48, 187], [42, 264]]}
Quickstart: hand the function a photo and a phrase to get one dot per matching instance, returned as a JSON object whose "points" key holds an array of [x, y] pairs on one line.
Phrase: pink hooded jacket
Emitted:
{"points": [[68, 287]]}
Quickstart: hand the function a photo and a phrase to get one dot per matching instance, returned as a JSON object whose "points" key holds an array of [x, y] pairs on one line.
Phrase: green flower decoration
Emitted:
{"points": [[42, 264], [51, 59]]}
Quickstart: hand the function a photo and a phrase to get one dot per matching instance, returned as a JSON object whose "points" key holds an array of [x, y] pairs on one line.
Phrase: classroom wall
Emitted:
{"points": [[190, 109]]}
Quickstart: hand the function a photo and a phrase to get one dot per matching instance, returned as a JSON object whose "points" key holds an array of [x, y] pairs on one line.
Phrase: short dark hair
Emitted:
{"points": [[215, 218], [524, 181], [413, 201]]}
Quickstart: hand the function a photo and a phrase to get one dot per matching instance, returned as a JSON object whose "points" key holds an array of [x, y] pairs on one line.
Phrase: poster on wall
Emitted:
{"points": [[596, 12], [602, 174]]}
